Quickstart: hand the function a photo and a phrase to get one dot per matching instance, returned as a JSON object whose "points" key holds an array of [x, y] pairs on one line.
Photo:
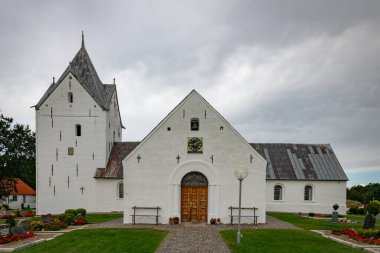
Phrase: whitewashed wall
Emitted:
{"points": [[29, 200], [155, 181], [325, 195], [89, 149], [107, 197]]}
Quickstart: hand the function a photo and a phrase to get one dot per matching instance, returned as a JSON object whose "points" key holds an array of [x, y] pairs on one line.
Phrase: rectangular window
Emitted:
{"points": [[23, 199], [70, 97], [14, 198], [78, 130], [70, 151]]}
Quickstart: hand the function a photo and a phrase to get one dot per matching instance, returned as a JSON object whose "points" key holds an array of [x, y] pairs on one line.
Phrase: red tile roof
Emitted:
{"points": [[114, 168], [22, 188]]}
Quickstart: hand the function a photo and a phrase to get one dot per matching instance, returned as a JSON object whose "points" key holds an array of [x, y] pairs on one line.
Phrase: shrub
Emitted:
{"points": [[11, 221], [311, 214], [72, 211], [82, 211], [353, 210], [18, 213], [6, 206], [36, 225], [67, 218], [52, 227], [374, 207], [361, 211], [55, 225]]}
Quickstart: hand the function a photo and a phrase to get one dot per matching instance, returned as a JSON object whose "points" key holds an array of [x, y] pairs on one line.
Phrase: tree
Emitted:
{"points": [[17, 154], [364, 194]]}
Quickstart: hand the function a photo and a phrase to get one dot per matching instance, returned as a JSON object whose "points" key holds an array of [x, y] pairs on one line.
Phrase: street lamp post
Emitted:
{"points": [[240, 173]]}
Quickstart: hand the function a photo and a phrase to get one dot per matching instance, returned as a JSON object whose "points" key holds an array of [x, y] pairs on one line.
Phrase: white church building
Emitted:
{"points": [[185, 165]]}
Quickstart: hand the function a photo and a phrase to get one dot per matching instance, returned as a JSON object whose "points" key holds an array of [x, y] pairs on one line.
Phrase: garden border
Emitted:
{"points": [[351, 244], [26, 245]]}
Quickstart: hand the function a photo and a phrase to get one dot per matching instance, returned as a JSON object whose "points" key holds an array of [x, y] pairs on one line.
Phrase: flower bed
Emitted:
{"points": [[13, 238], [6, 216], [80, 222], [363, 236]]}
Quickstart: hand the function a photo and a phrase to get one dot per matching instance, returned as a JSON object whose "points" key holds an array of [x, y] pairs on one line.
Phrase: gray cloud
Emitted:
{"points": [[279, 71]]}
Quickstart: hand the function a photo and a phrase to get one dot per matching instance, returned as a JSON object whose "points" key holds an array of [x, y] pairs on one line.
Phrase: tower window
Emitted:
{"points": [[120, 189], [78, 130], [70, 97], [194, 124]]}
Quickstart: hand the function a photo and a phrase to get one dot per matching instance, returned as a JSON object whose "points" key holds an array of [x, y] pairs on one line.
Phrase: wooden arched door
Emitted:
{"points": [[194, 197]]}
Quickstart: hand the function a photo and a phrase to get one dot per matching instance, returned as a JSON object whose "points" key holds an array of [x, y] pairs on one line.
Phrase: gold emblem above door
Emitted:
{"points": [[194, 145]]}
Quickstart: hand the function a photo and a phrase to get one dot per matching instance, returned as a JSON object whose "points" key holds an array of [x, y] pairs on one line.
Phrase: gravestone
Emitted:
{"points": [[369, 221], [18, 230], [4, 230], [47, 219], [25, 223], [334, 217]]}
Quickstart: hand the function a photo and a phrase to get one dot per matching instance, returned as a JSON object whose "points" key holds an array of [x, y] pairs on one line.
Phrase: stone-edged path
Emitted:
{"points": [[194, 237]]}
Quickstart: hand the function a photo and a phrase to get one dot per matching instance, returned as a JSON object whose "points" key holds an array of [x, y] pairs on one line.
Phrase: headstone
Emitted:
{"points": [[4, 230], [18, 230], [47, 219], [24, 223], [369, 221], [334, 217]]}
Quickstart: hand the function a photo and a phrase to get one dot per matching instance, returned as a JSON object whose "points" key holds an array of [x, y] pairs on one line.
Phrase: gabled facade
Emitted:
{"points": [[186, 167], [77, 121]]}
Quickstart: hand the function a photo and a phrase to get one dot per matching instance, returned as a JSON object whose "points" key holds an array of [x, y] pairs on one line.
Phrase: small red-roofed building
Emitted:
{"points": [[23, 195]]}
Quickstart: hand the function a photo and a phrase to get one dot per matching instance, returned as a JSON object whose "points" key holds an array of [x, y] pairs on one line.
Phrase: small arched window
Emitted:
{"points": [[120, 190], [194, 124], [78, 130], [70, 97], [277, 192], [308, 193]]}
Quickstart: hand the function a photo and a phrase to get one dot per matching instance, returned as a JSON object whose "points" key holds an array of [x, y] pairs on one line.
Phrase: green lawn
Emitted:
{"points": [[314, 224], [283, 241], [102, 240], [96, 218]]}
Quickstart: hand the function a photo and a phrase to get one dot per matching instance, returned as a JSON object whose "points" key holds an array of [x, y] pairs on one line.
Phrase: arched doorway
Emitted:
{"points": [[194, 197]]}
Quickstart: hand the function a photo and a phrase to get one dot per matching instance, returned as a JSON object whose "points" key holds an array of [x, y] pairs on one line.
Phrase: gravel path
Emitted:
{"points": [[194, 237]]}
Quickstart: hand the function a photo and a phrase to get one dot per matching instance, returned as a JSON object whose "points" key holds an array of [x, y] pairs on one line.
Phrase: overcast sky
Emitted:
{"points": [[278, 71]]}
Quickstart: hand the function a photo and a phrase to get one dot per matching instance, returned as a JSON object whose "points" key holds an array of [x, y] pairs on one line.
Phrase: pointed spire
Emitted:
{"points": [[82, 40]]}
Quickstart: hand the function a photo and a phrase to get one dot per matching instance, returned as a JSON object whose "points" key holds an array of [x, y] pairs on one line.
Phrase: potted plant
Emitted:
{"points": [[176, 220], [171, 221], [212, 221], [218, 221]]}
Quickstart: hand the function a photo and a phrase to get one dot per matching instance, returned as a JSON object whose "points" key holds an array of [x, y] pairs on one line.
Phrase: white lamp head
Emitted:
{"points": [[241, 172]]}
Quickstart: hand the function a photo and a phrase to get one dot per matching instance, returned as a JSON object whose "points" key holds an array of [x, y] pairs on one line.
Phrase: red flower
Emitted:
{"points": [[13, 238], [80, 222], [30, 214]]}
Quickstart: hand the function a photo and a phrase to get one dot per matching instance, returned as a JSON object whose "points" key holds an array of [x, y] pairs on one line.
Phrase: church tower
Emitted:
{"points": [[77, 122]]}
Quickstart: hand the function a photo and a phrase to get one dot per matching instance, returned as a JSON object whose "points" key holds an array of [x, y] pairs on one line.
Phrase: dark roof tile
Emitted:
{"points": [[114, 168], [300, 161]]}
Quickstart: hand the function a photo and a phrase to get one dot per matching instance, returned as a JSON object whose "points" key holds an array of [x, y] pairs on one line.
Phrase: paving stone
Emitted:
{"points": [[194, 237]]}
